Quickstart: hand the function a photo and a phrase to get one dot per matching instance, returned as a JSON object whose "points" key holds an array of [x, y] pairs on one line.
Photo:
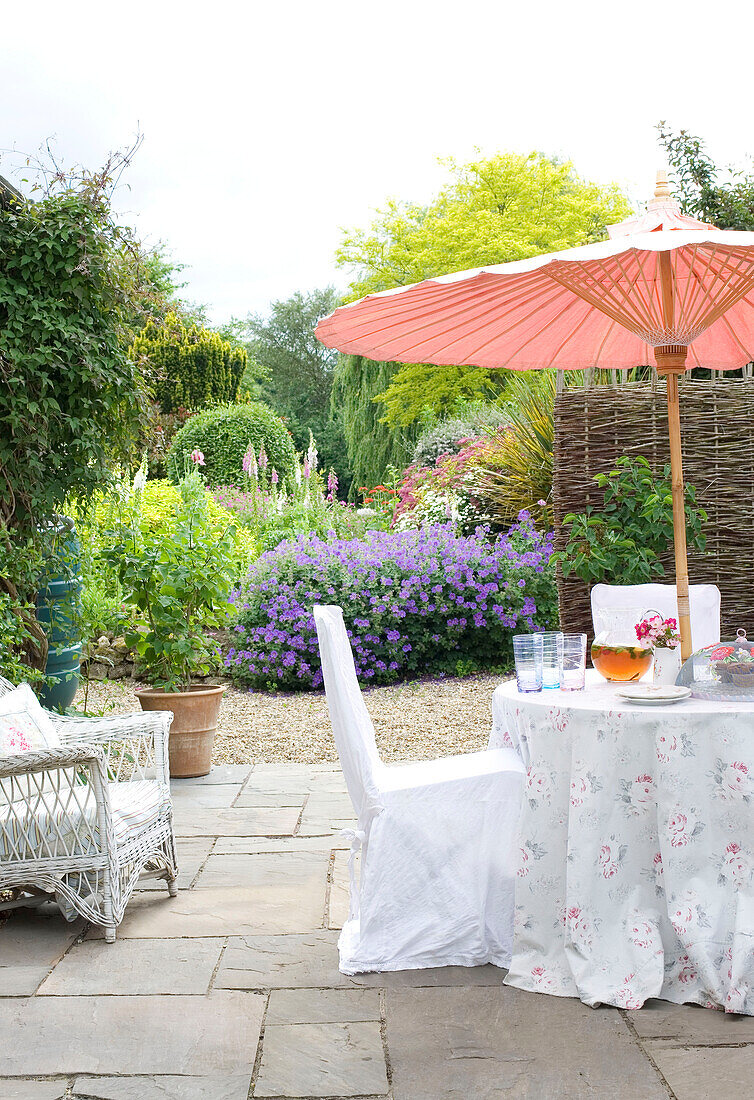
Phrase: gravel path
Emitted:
{"points": [[414, 721]]}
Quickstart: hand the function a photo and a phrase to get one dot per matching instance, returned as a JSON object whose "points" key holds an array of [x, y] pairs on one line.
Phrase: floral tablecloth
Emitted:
{"points": [[636, 847]]}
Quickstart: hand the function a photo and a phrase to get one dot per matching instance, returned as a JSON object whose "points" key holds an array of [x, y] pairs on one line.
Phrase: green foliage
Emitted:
{"points": [[178, 581], [271, 514], [21, 636], [515, 472], [188, 366], [373, 446], [74, 286], [420, 391], [505, 207], [296, 372], [223, 435], [446, 436], [697, 185], [626, 538], [154, 510], [71, 400]]}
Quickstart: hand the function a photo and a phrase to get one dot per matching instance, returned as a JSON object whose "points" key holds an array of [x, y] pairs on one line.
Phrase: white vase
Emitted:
{"points": [[667, 665]]}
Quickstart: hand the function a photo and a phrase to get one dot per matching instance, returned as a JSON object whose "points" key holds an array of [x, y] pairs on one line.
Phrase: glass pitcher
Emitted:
{"points": [[616, 652]]}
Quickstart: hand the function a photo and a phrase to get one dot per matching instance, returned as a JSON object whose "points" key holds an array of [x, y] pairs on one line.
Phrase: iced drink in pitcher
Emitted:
{"points": [[616, 652]]}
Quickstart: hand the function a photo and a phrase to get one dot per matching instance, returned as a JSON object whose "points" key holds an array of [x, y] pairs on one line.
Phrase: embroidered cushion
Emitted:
{"points": [[24, 725]]}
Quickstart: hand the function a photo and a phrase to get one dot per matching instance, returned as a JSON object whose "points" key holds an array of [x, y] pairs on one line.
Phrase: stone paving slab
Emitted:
{"points": [[266, 821], [255, 799], [326, 814], [441, 977], [249, 845], [31, 1090], [163, 1088], [215, 796], [198, 1036], [302, 961], [322, 1006], [219, 773], [31, 942], [706, 1072], [135, 967], [322, 1060], [453, 1044], [691, 1024], [236, 895], [191, 853], [256, 913]]}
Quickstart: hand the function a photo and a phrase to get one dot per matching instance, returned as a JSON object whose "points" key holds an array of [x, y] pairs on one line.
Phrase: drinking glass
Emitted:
{"points": [[573, 662], [527, 650], [552, 656]]}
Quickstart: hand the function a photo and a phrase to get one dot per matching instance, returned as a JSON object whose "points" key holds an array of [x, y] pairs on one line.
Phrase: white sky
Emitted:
{"points": [[269, 126]]}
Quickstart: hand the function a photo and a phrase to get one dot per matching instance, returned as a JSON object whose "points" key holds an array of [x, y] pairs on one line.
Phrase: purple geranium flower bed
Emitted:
{"points": [[415, 603]]}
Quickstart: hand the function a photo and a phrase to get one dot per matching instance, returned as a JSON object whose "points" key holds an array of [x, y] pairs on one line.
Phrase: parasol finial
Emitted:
{"points": [[662, 189]]}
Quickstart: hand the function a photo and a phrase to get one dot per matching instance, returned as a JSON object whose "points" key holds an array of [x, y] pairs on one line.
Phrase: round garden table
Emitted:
{"points": [[636, 840]]}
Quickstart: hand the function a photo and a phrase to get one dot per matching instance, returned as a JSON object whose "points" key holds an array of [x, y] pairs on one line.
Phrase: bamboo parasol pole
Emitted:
{"points": [[671, 361]]}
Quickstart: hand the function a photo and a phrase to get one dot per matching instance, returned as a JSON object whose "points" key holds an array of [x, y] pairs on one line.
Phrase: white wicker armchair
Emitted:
{"points": [[83, 822]]}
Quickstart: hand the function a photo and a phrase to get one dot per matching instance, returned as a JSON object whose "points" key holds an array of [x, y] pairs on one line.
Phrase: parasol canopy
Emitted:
{"points": [[664, 286]]}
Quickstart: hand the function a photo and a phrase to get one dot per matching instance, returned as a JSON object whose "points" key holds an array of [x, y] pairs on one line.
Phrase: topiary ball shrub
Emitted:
{"points": [[223, 435], [414, 602]]}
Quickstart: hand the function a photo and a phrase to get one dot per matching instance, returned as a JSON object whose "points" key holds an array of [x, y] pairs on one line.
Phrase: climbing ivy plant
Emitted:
{"points": [[73, 286]]}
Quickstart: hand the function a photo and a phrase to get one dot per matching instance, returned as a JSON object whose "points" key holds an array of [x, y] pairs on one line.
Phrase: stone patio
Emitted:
{"points": [[231, 990]]}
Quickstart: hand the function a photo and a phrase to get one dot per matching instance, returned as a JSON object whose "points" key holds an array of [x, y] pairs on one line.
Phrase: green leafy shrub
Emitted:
{"points": [[516, 474], [627, 537], [449, 435], [154, 509], [223, 435], [177, 582], [188, 366]]}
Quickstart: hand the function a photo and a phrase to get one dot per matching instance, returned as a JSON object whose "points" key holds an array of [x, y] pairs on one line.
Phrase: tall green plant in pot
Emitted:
{"points": [[177, 583]]}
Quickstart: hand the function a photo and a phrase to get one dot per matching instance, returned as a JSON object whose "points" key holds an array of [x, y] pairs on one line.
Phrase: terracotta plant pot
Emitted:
{"points": [[192, 733]]}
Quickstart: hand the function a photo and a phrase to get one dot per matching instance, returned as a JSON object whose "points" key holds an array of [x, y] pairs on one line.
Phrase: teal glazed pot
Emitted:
{"points": [[59, 611]]}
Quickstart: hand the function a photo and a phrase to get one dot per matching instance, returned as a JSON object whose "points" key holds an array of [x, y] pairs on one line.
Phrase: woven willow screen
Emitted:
{"points": [[594, 426]]}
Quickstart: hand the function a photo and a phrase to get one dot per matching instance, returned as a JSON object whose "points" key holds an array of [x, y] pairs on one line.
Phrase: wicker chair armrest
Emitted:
{"points": [[146, 732], [42, 760], [79, 783]]}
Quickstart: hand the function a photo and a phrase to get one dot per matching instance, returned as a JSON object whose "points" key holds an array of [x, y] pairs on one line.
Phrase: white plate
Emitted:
{"points": [[654, 695]]}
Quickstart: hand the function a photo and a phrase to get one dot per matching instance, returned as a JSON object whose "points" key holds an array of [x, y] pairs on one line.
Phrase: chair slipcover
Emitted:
{"points": [[437, 839], [704, 601]]}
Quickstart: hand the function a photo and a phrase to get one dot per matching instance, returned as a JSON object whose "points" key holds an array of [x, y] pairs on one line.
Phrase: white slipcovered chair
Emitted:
{"points": [[704, 602], [437, 839], [85, 808]]}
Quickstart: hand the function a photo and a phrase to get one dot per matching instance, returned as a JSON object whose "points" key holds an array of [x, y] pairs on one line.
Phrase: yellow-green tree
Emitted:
{"points": [[495, 209], [492, 210], [188, 366]]}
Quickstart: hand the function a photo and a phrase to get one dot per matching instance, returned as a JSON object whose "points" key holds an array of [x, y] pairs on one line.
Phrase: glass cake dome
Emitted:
{"points": [[721, 671]]}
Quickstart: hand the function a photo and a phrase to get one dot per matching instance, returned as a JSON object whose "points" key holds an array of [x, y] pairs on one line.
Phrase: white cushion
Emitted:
{"points": [[26, 834], [24, 725], [134, 806]]}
